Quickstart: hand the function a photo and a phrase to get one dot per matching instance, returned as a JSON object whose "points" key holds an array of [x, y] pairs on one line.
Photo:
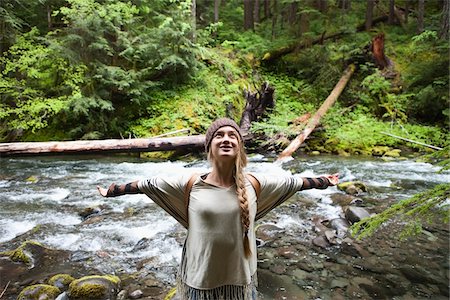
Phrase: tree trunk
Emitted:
{"points": [[248, 15], [391, 19], [266, 9], [216, 10], [406, 11], [369, 14], [315, 120], [256, 15], [344, 4], [257, 104], [274, 18], [377, 47], [443, 31], [194, 20], [102, 146], [420, 16]]}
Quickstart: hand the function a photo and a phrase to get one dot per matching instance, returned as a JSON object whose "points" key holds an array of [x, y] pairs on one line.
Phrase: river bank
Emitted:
{"points": [[132, 238]]}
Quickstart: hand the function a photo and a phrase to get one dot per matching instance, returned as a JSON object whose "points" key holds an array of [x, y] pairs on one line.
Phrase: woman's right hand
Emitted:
{"points": [[102, 191]]}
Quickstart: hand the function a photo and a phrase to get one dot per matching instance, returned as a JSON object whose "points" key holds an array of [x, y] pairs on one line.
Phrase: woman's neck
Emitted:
{"points": [[221, 175]]}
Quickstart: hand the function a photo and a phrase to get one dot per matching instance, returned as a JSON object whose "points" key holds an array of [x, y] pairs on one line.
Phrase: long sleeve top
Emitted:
{"points": [[213, 264]]}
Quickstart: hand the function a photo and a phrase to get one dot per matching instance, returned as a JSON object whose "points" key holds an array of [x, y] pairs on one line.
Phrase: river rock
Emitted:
{"points": [[269, 232], [95, 287], [39, 291], [341, 226], [352, 187], [61, 281], [355, 214]]}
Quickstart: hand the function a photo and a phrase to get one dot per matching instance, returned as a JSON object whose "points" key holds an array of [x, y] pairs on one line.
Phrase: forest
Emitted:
{"points": [[352, 77], [98, 69]]}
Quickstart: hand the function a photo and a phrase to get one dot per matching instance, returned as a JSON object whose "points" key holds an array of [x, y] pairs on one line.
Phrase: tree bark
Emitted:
{"points": [[443, 31], [266, 9], [194, 20], [377, 47], [248, 15], [391, 19], [257, 104], [271, 56], [216, 10], [315, 120], [256, 15], [369, 14], [420, 16], [102, 146]]}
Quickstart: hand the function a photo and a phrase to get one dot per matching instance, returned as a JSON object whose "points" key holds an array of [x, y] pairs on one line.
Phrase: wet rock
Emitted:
{"points": [[350, 247], [269, 232], [355, 214], [339, 282], [62, 296], [89, 212], [278, 269], [94, 287], [342, 199], [288, 252], [341, 226], [321, 242], [352, 187], [416, 274], [39, 291], [61, 281], [136, 294]]}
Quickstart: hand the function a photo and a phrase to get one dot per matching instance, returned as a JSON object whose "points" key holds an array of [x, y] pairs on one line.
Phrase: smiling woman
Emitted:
{"points": [[219, 254]]}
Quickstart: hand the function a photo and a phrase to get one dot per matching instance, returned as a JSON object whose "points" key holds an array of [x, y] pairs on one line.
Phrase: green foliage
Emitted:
{"points": [[35, 84], [358, 132], [426, 207], [377, 95]]}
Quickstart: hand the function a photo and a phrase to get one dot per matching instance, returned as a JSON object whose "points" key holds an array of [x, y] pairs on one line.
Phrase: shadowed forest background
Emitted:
{"points": [[85, 69]]}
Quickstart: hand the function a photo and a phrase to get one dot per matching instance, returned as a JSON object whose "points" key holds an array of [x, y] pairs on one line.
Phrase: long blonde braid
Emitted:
{"points": [[241, 162]]}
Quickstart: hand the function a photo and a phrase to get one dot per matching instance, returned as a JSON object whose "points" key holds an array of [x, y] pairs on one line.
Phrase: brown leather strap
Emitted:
{"points": [[187, 194], [256, 185]]}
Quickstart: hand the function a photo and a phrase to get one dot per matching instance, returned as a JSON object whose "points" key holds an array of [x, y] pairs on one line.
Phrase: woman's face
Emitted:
{"points": [[225, 143]]}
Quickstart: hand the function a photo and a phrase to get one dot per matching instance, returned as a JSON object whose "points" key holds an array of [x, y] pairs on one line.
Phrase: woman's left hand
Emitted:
{"points": [[333, 179]]}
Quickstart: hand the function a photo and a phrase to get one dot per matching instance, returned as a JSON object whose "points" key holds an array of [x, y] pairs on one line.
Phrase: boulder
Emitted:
{"points": [[39, 291], [61, 281], [352, 187], [355, 214], [95, 287]]}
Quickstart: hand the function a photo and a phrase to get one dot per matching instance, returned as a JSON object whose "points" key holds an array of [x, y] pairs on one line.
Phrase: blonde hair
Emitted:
{"points": [[239, 178]]}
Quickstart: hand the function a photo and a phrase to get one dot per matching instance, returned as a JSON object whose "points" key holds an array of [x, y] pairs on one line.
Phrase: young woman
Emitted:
{"points": [[219, 210]]}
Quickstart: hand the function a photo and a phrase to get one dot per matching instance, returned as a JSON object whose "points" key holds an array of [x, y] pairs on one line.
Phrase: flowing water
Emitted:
{"points": [[51, 192]]}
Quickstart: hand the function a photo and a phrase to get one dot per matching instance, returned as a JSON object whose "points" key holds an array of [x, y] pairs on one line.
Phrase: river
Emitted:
{"points": [[52, 191]]}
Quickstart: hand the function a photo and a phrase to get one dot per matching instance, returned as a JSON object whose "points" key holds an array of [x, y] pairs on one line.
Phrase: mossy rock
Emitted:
{"points": [[379, 150], [393, 153], [352, 187], [61, 281], [39, 292], [23, 253], [94, 287]]}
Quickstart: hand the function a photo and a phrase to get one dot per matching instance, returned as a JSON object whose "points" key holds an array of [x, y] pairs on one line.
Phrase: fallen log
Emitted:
{"points": [[315, 119], [274, 55], [412, 141], [102, 146]]}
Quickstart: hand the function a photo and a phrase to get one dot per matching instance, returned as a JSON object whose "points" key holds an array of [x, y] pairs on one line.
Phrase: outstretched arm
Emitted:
{"points": [[321, 182], [115, 190]]}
